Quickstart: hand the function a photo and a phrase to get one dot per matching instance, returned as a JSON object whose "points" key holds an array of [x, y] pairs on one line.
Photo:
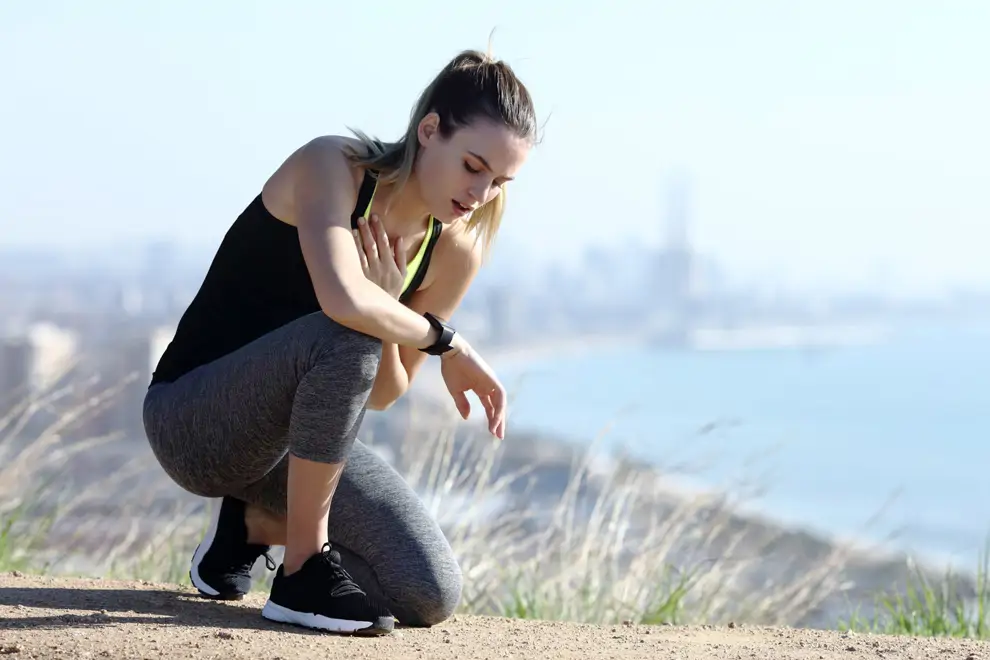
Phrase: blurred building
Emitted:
{"points": [[674, 274], [36, 360], [506, 314], [16, 360], [123, 365], [37, 363]]}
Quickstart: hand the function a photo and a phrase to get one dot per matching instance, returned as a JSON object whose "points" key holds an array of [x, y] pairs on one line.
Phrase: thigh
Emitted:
{"points": [[224, 424]]}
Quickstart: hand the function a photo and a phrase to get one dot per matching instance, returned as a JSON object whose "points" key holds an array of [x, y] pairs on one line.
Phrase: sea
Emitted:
{"points": [[882, 441]]}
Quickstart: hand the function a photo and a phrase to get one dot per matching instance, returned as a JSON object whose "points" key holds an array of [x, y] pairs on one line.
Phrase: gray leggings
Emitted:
{"points": [[226, 429]]}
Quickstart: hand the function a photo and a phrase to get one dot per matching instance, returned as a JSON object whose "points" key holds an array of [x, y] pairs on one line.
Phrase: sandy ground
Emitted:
{"points": [[81, 618]]}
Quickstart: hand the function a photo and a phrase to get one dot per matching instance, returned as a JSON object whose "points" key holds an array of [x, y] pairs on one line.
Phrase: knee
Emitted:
{"points": [[436, 600], [358, 340], [346, 348], [326, 333]]}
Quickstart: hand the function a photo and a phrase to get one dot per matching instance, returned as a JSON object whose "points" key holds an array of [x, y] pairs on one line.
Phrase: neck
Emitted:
{"points": [[407, 213]]}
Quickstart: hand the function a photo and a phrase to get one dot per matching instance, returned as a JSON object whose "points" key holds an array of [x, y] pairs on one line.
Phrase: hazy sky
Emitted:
{"points": [[841, 141]]}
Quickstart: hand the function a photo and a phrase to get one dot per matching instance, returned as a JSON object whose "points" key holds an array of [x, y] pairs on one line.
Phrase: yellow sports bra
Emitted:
{"points": [[415, 269]]}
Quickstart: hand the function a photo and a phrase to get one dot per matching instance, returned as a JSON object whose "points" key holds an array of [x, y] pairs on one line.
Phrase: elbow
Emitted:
{"points": [[342, 306], [380, 405], [385, 392], [383, 401]]}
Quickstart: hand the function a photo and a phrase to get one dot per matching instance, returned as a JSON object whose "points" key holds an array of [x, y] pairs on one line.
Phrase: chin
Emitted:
{"points": [[450, 219]]}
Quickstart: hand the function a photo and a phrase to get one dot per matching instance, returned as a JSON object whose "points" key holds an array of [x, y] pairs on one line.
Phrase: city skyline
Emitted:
{"points": [[827, 143], [114, 327], [511, 262]]}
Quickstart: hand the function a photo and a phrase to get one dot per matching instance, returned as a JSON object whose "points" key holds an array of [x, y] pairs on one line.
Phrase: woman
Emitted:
{"points": [[324, 299]]}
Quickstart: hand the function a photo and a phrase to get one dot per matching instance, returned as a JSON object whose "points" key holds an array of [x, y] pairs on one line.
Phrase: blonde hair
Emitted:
{"points": [[471, 86]]}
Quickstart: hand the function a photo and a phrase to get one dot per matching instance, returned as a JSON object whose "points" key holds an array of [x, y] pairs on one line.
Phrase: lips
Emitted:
{"points": [[460, 208]]}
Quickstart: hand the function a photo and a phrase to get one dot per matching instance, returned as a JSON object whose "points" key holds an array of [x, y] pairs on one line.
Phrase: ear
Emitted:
{"points": [[429, 127]]}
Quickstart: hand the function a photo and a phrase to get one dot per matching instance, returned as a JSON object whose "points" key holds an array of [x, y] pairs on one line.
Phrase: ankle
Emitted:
{"points": [[294, 558], [290, 566], [263, 527]]}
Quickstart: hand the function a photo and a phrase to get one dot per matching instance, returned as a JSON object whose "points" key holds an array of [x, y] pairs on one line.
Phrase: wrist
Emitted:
{"points": [[442, 337], [458, 345]]}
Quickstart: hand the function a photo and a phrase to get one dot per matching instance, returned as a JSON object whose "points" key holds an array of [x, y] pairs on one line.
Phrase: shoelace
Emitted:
{"points": [[245, 560], [330, 558]]}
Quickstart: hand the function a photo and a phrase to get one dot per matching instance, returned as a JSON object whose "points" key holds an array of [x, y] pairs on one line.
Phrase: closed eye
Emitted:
{"points": [[498, 183], [501, 181]]}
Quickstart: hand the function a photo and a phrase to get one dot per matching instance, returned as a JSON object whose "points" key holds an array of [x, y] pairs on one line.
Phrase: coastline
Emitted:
{"points": [[877, 564], [702, 338], [514, 356], [767, 551]]}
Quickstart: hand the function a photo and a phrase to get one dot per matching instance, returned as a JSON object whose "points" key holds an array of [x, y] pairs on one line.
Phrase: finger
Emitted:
{"points": [[498, 403], [361, 255], [400, 255], [462, 403], [381, 236], [486, 401], [500, 431], [370, 247]]}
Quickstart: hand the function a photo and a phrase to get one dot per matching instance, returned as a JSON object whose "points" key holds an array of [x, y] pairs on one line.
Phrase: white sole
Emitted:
{"points": [[202, 549], [274, 612]]}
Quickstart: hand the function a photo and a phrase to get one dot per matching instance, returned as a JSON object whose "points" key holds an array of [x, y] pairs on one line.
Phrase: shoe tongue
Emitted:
{"points": [[334, 557]]}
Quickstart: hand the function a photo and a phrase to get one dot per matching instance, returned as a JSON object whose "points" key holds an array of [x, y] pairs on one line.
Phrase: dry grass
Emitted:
{"points": [[610, 547], [71, 505]]}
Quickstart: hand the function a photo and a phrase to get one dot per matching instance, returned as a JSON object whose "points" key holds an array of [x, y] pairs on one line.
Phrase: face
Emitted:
{"points": [[461, 173]]}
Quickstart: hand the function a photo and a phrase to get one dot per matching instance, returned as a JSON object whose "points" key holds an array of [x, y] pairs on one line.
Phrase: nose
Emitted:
{"points": [[476, 193]]}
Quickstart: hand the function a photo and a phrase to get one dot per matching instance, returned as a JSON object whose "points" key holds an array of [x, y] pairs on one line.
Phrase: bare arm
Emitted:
{"points": [[459, 265], [391, 382], [323, 197]]}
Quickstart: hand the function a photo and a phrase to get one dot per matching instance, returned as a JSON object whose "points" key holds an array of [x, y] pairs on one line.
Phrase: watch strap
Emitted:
{"points": [[442, 344]]}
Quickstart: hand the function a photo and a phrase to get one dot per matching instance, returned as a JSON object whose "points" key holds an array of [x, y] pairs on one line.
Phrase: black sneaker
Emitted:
{"points": [[221, 565], [323, 596]]}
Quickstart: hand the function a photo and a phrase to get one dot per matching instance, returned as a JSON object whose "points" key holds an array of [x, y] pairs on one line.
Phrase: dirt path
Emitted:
{"points": [[60, 618]]}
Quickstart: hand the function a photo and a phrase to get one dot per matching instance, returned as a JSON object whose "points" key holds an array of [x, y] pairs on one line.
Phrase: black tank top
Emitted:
{"points": [[257, 282]]}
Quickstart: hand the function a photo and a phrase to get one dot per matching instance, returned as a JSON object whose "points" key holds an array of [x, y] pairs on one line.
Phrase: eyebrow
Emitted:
{"points": [[485, 163]]}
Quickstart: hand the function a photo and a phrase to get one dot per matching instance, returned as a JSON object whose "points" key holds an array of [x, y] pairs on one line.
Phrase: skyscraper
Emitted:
{"points": [[674, 268]]}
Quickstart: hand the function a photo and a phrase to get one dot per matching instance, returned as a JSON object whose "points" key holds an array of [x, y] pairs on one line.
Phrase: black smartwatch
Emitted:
{"points": [[442, 344]]}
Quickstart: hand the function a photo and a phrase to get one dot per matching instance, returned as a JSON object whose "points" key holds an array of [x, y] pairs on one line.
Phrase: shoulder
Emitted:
{"points": [[333, 146], [321, 167], [326, 156]]}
